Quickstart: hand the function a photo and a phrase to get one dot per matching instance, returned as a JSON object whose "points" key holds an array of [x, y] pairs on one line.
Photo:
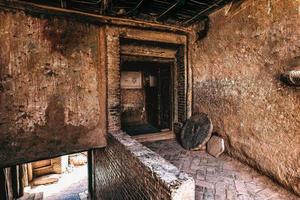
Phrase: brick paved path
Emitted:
{"points": [[221, 178]]}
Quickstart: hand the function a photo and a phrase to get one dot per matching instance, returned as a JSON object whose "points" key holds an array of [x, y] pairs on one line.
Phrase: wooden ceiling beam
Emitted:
{"points": [[34, 8], [137, 7], [194, 18], [63, 3], [171, 10], [104, 6]]}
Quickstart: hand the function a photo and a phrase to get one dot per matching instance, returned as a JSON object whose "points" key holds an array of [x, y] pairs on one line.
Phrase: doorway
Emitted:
{"points": [[137, 46], [146, 97], [64, 177]]}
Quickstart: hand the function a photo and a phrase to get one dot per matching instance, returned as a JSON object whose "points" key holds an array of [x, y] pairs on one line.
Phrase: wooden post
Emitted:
{"points": [[91, 175], [16, 179], [25, 175], [30, 173], [3, 186], [20, 180]]}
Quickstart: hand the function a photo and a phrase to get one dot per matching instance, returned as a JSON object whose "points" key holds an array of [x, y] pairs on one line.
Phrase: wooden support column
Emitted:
{"points": [[16, 179], [91, 174], [6, 192], [3, 186], [102, 89]]}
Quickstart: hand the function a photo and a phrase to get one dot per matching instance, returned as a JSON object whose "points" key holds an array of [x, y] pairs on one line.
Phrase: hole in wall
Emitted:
{"points": [[64, 177]]}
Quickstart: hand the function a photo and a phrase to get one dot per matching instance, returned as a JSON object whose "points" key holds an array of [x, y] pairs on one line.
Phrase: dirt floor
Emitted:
{"points": [[221, 178]]}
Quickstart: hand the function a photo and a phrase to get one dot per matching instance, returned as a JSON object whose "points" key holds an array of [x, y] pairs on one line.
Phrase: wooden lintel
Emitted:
{"points": [[142, 55], [139, 58], [147, 51], [33, 8], [155, 137]]}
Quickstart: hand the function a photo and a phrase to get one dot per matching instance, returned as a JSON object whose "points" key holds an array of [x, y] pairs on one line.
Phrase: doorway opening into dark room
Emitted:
{"points": [[146, 97]]}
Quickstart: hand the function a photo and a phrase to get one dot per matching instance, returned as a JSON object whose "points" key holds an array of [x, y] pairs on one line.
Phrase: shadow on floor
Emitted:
{"points": [[220, 178], [71, 186]]}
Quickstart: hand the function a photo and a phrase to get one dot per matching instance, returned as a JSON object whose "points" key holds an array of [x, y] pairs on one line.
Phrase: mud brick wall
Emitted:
{"points": [[132, 171], [236, 72], [50, 87], [181, 85]]}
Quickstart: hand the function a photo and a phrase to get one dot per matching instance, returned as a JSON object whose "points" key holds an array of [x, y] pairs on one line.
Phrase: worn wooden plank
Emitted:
{"points": [[29, 172], [3, 186], [143, 50], [155, 137]]}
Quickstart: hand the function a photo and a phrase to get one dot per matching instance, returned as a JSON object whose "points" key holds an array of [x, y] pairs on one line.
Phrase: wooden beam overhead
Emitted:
{"points": [[194, 18], [34, 8], [63, 3], [104, 6], [171, 10], [137, 7], [154, 13]]}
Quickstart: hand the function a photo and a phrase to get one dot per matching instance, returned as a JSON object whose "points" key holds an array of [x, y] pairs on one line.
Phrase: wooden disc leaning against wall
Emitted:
{"points": [[196, 132]]}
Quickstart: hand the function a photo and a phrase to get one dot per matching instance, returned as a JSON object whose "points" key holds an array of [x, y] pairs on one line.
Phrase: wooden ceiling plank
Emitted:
{"points": [[188, 22], [171, 10], [93, 18], [137, 7]]}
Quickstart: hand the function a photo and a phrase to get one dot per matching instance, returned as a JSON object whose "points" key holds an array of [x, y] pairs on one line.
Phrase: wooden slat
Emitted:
{"points": [[155, 137], [29, 172], [41, 163], [93, 18], [3, 186]]}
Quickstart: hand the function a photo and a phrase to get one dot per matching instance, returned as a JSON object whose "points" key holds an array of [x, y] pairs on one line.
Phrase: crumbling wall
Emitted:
{"points": [[50, 87], [236, 71], [131, 171]]}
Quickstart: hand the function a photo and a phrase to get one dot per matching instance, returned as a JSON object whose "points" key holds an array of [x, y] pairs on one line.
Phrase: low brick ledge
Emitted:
{"points": [[180, 185]]}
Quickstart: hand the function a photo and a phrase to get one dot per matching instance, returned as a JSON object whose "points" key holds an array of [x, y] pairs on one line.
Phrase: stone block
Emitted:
{"points": [[215, 146], [48, 179], [128, 170]]}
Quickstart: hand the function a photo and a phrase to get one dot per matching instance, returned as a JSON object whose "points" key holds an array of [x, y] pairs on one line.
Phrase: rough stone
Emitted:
{"points": [[78, 159], [215, 146]]}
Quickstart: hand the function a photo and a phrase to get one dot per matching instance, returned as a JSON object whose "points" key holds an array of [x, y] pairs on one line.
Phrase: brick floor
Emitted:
{"points": [[221, 178]]}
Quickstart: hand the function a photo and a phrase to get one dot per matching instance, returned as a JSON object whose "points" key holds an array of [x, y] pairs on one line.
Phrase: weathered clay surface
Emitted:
{"points": [[236, 81], [130, 170], [49, 98]]}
